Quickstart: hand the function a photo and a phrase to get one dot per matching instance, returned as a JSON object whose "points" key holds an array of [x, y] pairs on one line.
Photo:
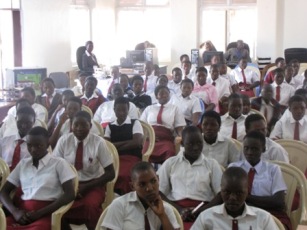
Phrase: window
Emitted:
{"points": [[225, 21], [141, 20]]}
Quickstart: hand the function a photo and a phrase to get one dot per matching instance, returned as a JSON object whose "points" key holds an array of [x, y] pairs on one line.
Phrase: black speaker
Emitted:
{"points": [[296, 53]]}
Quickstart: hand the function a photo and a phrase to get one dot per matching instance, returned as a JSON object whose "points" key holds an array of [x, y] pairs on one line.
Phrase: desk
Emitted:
{"points": [[4, 108]]}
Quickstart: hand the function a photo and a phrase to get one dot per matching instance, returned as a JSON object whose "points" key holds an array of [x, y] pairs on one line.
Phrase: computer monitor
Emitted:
{"points": [[207, 55], [136, 56]]}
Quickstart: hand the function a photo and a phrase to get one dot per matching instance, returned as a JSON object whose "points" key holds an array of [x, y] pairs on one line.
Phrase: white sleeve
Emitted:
{"points": [[104, 155], [164, 177], [171, 215], [133, 111], [97, 114], [137, 128], [277, 131], [107, 132], [216, 176], [144, 114], [59, 148], [196, 107], [14, 176], [64, 171], [179, 119], [114, 218]]}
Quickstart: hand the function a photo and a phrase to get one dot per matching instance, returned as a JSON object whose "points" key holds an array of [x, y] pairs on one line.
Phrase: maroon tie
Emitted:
{"points": [[235, 225], [159, 117], [234, 130], [147, 225], [79, 156], [16, 155], [214, 83], [278, 93], [244, 78], [251, 175], [296, 135]]}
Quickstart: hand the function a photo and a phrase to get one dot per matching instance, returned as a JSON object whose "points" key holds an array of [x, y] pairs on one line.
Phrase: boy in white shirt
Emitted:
{"points": [[174, 84], [221, 84]]}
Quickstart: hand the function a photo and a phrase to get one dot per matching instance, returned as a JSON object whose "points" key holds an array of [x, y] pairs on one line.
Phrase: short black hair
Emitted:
{"points": [[187, 62], [212, 114], [88, 42], [183, 56], [176, 69], [234, 174], [84, 74], [202, 69], [29, 90], [187, 80], [84, 115], [279, 59], [301, 92], [214, 66], [68, 93], [141, 167], [252, 118], [294, 61], [125, 76], [296, 98], [39, 131], [234, 96], [159, 87], [75, 99], [189, 129], [137, 78], [91, 78], [162, 76], [278, 70], [256, 135], [26, 110], [22, 100], [121, 100], [48, 79]]}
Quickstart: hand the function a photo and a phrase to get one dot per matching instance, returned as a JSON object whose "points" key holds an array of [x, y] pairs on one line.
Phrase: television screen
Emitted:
{"points": [[136, 56]]}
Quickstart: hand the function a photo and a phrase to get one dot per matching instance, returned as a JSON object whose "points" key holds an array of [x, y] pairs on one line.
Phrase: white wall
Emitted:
{"points": [[45, 34]]}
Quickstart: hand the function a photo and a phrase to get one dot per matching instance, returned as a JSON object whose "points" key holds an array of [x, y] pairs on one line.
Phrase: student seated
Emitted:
{"points": [[140, 99], [246, 78], [221, 84], [298, 79], [187, 70], [267, 106], [143, 208], [234, 213], [233, 121], [29, 94], [55, 118], [206, 92], [124, 82], [273, 151], [74, 105], [9, 126], [304, 85], [294, 127], [79, 89], [266, 185], [234, 88], [246, 105], [90, 98], [115, 75], [14, 148], [279, 63], [150, 80], [105, 113], [156, 70], [282, 91], [174, 84], [49, 99], [127, 136], [189, 178], [188, 104], [216, 146], [167, 121], [91, 158], [46, 183], [289, 71]]}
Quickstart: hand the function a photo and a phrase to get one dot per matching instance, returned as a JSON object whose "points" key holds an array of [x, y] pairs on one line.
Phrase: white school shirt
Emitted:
{"points": [[230, 78], [227, 124], [179, 180], [151, 83], [298, 80], [105, 112], [269, 108], [50, 98], [137, 127], [94, 95], [127, 212], [250, 75], [287, 114], [7, 147], [251, 218], [224, 151], [9, 127], [40, 112], [284, 129], [96, 155], [268, 178], [292, 83], [187, 105], [65, 129], [175, 87], [43, 183], [222, 86], [171, 116], [286, 91]]}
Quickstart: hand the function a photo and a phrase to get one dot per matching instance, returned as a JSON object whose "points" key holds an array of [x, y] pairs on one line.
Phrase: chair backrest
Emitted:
{"points": [[110, 185], [149, 135], [297, 151], [79, 53], [295, 181], [87, 109], [266, 70], [98, 126], [296, 53], [4, 172], [57, 215], [60, 79], [278, 223], [258, 112], [2, 219], [103, 215]]}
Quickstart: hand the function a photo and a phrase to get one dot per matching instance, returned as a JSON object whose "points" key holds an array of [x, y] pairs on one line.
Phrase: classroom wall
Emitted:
{"points": [[45, 34]]}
